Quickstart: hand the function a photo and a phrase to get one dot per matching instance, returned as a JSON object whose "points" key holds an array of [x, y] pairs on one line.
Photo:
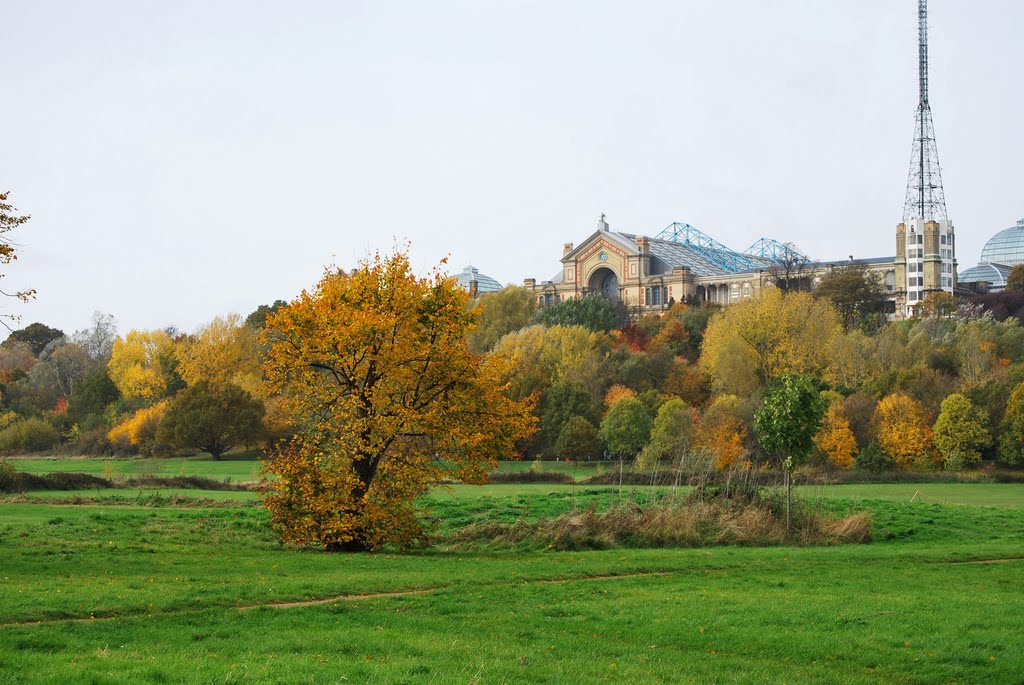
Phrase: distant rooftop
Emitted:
{"points": [[484, 283]]}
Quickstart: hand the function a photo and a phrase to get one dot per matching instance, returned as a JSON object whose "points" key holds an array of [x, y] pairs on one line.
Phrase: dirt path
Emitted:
{"points": [[1007, 560], [330, 600]]}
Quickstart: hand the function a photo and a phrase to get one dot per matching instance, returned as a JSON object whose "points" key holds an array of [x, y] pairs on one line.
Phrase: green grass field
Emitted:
{"points": [[135, 590]]}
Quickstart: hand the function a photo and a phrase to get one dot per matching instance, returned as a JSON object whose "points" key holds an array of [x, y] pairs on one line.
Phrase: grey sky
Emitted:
{"points": [[188, 159]]}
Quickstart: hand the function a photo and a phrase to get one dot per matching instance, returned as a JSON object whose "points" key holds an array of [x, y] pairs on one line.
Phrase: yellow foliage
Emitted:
{"points": [[139, 429], [377, 376], [904, 431], [540, 356], [224, 351], [835, 439], [852, 359], [140, 364], [753, 342]]}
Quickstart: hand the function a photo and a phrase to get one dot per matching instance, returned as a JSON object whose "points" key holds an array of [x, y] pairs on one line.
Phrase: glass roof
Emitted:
{"points": [[484, 283], [1005, 247], [673, 254], [995, 274]]}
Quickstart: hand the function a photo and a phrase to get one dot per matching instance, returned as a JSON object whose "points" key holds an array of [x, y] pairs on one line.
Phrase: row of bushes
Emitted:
{"points": [[629, 476], [12, 480]]}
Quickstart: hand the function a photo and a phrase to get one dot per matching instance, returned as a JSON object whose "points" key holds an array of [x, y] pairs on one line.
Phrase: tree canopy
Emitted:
{"points": [[593, 312], [855, 291], [211, 417], [36, 335], [790, 418], [505, 311], [386, 397], [754, 342]]}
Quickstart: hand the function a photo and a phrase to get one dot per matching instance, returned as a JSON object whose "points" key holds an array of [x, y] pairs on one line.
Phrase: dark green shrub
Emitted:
{"points": [[8, 476], [93, 443], [874, 459], [28, 435]]}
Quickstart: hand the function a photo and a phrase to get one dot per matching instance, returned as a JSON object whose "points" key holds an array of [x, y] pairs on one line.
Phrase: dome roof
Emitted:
{"points": [[1005, 247], [484, 283], [993, 274]]}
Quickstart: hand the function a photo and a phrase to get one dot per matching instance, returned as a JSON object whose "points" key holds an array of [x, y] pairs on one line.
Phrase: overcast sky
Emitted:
{"points": [[184, 159]]}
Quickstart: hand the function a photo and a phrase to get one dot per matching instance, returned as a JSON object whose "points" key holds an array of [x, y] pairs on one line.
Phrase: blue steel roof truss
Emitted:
{"points": [[708, 248], [773, 250]]}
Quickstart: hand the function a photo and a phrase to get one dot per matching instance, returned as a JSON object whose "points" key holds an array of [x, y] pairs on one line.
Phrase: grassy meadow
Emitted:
{"points": [[136, 586]]}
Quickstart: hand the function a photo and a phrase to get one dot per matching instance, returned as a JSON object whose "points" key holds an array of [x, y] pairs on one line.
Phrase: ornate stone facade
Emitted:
{"points": [[648, 274]]}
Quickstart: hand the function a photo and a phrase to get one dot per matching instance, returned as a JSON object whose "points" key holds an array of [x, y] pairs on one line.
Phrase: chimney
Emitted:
{"points": [[529, 283], [566, 249], [643, 245]]}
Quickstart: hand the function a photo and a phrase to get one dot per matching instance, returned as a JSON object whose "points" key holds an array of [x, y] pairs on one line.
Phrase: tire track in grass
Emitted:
{"points": [[328, 600], [1005, 560]]}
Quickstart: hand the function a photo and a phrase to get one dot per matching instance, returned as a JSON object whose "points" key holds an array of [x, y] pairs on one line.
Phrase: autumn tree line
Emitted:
{"points": [[944, 390], [150, 392], [684, 387]]}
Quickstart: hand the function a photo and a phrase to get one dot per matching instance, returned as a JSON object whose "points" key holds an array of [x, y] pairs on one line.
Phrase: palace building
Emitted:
{"points": [[681, 263]]}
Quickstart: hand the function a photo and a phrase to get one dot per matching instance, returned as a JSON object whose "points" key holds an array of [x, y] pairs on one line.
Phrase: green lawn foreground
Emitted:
{"points": [[136, 594]]}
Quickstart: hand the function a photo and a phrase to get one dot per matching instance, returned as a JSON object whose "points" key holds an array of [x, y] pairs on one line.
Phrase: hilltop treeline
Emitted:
{"points": [[945, 390]]}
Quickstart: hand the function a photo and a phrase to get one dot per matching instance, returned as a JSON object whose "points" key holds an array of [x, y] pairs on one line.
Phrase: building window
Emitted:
{"points": [[920, 239], [942, 239], [913, 296], [656, 295]]}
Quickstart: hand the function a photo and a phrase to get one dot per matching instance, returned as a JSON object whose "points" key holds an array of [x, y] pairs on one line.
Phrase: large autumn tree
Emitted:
{"points": [[386, 397]]}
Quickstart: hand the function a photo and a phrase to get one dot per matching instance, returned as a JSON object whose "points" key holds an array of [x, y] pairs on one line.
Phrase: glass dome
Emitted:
{"points": [[1005, 247], [484, 283], [993, 275]]}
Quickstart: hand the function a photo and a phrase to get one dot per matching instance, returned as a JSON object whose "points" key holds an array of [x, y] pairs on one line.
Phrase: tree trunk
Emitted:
{"points": [[354, 545], [789, 499]]}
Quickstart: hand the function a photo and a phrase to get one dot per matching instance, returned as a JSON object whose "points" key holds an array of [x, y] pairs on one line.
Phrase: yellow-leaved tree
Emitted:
{"points": [[138, 431], [224, 351], [753, 342], [905, 432], [835, 438], [387, 397], [142, 365]]}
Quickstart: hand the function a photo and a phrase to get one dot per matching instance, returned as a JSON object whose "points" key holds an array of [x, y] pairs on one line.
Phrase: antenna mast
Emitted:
{"points": [[925, 198]]}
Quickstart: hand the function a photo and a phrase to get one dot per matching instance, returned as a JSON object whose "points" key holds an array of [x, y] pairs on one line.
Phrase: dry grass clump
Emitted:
{"points": [[672, 522]]}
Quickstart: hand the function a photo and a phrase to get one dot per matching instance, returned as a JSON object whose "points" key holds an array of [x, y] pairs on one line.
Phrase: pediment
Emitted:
{"points": [[598, 240]]}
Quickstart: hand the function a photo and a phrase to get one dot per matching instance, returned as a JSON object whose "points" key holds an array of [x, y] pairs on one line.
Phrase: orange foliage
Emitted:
{"points": [[720, 433], [904, 432], [632, 337], [686, 381], [615, 394], [387, 397], [673, 335], [835, 439]]}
